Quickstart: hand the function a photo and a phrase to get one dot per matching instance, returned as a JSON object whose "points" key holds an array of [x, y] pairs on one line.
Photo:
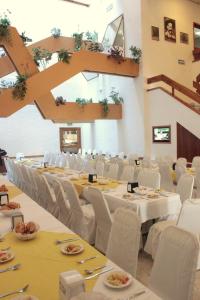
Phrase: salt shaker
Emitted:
{"points": [[71, 284]]}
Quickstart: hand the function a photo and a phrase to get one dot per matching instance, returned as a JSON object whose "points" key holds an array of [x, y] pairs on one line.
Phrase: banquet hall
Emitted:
{"points": [[100, 149]]}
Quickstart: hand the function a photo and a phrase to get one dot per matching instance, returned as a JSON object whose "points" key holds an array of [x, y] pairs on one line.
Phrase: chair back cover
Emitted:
{"points": [[185, 187], [173, 272], [149, 178], [124, 240]]}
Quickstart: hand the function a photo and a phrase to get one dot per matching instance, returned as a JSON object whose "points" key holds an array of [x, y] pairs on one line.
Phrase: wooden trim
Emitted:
{"points": [[175, 97], [177, 86]]}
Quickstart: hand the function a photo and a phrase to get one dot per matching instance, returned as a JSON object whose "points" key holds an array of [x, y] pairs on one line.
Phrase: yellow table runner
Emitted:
{"points": [[42, 262], [80, 184], [188, 171], [51, 170], [13, 191]]}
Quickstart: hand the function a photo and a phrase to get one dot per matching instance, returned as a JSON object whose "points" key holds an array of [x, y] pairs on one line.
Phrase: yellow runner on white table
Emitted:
{"points": [[41, 259]]}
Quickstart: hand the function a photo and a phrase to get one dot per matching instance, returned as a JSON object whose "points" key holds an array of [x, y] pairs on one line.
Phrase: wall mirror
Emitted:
{"points": [[70, 139], [196, 33]]}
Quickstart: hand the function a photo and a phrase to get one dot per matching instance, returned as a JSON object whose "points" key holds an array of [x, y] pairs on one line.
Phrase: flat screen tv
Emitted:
{"points": [[161, 134]]}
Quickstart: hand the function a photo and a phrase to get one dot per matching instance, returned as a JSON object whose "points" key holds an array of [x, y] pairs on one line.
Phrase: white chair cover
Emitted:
{"points": [[185, 187], [102, 216], [196, 162], [166, 178], [128, 174], [113, 171], [124, 240], [173, 272], [100, 168], [179, 170], [197, 180], [182, 161], [149, 178], [82, 220]]}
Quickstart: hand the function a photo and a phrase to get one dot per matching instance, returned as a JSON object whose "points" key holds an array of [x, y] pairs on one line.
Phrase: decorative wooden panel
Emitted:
{"points": [[188, 145]]}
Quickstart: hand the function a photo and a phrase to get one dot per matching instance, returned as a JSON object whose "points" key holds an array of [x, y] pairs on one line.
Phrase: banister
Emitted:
{"points": [[175, 86]]}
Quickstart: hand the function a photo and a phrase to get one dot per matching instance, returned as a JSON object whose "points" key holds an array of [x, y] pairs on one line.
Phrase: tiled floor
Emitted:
{"points": [[144, 270]]}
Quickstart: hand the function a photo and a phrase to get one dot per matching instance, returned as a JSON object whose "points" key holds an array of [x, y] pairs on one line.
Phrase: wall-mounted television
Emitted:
{"points": [[161, 134]]}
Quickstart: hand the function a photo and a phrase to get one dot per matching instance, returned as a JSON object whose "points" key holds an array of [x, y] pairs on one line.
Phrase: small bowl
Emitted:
{"points": [[27, 236]]}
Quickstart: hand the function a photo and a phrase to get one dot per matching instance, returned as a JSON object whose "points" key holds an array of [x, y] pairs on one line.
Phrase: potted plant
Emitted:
{"points": [[56, 32], [60, 101], [117, 54], [82, 101], [136, 54], [25, 38], [105, 107], [64, 56], [116, 98], [92, 36], [95, 47], [41, 56], [20, 88], [78, 37], [4, 27]]}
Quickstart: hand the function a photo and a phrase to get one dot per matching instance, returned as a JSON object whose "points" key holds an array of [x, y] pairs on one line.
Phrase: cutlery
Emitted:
{"points": [[85, 259], [11, 268], [99, 273], [58, 242], [91, 271], [22, 290], [137, 294]]}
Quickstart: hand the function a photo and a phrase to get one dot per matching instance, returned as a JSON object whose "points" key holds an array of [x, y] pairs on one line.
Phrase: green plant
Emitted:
{"points": [[92, 36], [95, 47], [136, 54], [20, 87], [105, 106], [83, 101], [56, 32], [60, 100], [4, 27], [116, 98], [25, 38], [41, 56], [116, 53], [78, 37], [64, 56]]}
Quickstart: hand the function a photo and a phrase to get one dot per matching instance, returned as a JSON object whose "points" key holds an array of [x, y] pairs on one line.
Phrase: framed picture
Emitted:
{"points": [[155, 33], [170, 29], [184, 38], [161, 134]]}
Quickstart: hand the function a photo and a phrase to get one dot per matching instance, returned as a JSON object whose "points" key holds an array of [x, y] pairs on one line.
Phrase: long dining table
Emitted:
{"points": [[42, 261]]}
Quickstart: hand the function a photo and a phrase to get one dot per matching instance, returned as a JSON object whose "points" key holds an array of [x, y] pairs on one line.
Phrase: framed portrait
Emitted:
{"points": [[161, 134], [155, 33], [170, 29], [184, 38]]}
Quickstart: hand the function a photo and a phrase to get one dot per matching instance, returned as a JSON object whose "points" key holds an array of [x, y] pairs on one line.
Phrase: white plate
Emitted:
{"points": [[121, 286], [141, 190], [63, 249], [11, 256], [27, 236], [103, 181]]}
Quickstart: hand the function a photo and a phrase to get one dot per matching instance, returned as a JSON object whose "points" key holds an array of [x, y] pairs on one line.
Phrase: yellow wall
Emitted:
{"points": [[161, 57]]}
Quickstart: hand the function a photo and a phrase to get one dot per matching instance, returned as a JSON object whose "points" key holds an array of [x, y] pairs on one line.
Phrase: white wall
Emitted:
{"points": [[172, 112], [26, 131]]}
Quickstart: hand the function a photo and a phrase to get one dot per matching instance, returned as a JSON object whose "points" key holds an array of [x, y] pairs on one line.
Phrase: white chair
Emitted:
{"points": [[82, 220], [182, 161], [166, 182], [113, 171], [196, 162], [173, 273], [185, 187], [149, 178], [197, 182], [100, 168], [102, 216], [179, 170], [124, 240], [128, 174]]}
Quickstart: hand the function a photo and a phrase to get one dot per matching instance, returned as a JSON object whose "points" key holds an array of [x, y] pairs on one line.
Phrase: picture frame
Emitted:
{"points": [[184, 38], [161, 134], [155, 34], [170, 29]]}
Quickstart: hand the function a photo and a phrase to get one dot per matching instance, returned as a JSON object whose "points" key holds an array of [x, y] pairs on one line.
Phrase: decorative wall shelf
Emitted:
{"points": [[39, 84]]}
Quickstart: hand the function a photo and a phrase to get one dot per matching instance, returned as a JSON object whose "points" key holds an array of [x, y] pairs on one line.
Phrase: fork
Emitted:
{"points": [[86, 259], [58, 242], [91, 271], [11, 268], [22, 290]]}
